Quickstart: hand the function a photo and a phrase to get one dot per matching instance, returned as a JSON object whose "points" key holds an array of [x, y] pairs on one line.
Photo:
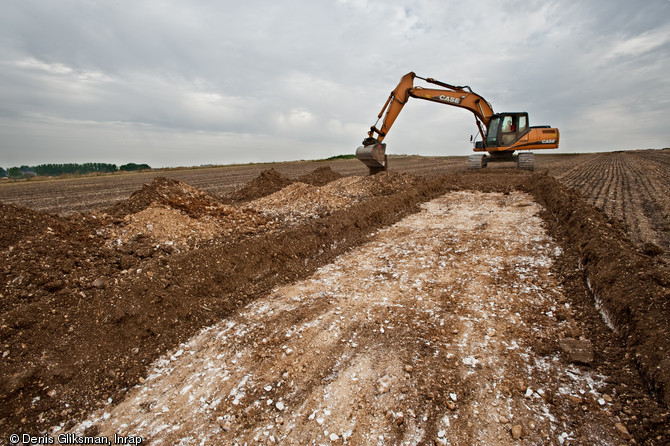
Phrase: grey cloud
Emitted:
{"points": [[213, 81]]}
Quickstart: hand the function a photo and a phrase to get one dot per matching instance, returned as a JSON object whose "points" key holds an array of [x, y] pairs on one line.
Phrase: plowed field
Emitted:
{"points": [[632, 188], [296, 305]]}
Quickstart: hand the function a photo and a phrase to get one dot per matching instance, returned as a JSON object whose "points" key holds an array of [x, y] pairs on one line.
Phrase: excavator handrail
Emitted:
{"points": [[444, 84]]}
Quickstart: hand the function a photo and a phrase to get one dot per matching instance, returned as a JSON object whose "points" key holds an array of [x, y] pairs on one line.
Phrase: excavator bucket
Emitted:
{"points": [[373, 156]]}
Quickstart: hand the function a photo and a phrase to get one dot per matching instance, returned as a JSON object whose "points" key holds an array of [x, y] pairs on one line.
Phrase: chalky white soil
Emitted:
{"points": [[441, 329]]}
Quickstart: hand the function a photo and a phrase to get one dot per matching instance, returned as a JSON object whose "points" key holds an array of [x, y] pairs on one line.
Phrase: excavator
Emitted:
{"points": [[502, 133]]}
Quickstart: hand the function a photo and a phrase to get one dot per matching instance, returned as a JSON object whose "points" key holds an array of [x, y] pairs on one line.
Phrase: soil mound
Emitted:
{"points": [[268, 182], [350, 187], [320, 176], [173, 193], [300, 201], [173, 213], [357, 188], [166, 225], [389, 183]]}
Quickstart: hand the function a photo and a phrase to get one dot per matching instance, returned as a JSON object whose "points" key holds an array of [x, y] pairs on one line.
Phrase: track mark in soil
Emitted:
{"points": [[441, 329]]}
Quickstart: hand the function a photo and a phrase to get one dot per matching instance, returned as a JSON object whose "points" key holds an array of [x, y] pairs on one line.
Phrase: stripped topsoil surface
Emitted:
{"points": [[89, 302]]}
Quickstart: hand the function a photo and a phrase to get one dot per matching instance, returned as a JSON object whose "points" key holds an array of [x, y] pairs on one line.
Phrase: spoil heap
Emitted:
{"points": [[267, 182], [173, 213], [299, 201], [164, 191], [320, 176]]}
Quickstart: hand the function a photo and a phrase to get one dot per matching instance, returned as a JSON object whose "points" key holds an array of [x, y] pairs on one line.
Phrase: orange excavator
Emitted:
{"points": [[502, 133]]}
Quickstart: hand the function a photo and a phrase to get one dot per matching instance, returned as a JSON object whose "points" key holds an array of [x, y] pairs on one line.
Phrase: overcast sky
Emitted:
{"points": [[173, 83]]}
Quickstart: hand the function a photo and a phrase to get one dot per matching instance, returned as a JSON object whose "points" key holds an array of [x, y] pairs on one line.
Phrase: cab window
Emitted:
{"points": [[523, 123], [492, 132]]}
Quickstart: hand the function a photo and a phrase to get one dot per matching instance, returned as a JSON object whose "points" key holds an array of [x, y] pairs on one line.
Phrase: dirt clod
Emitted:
{"points": [[579, 351], [623, 431]]}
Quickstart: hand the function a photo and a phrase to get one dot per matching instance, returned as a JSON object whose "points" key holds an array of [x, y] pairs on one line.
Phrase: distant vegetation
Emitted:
{"points": [[20, 172], [132, 166], [73, 168], [54, 170], [341, 157]]}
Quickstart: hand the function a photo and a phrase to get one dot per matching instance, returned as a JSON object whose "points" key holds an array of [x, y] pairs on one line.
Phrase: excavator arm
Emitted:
{"points": [[372, 153], [462, 97]]}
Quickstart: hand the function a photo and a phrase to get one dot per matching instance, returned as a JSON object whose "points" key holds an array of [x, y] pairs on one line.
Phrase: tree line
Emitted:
{"points": [[54, 170]]}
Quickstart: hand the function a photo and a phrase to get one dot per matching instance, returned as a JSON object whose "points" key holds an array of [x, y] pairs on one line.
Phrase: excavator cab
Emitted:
{"points": [[504, 134], [510, 132], [506, 128]]}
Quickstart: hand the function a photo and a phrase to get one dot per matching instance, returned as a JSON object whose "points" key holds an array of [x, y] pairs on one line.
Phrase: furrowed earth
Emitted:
{"points": [[305, 303]]}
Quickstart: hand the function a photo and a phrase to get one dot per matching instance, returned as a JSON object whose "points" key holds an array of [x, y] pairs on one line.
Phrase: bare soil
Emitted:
{"points": [[631, 188], [427, 332], [454, 325]]}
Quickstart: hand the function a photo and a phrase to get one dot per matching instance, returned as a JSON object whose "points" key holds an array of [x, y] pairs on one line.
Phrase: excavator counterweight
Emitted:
{"points": [[501, 133]]}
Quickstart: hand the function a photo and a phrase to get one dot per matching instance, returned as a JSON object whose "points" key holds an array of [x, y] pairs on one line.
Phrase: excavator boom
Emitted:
{"points": [[462, 97], [501, 141]]}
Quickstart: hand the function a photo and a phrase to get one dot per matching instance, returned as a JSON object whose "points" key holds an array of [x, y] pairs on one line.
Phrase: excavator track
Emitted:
{"points": [[526, 161], [476, 161]]}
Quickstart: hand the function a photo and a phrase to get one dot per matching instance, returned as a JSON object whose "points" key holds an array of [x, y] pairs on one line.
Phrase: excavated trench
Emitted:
{"points": [[342, 312], [427, 332]]}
